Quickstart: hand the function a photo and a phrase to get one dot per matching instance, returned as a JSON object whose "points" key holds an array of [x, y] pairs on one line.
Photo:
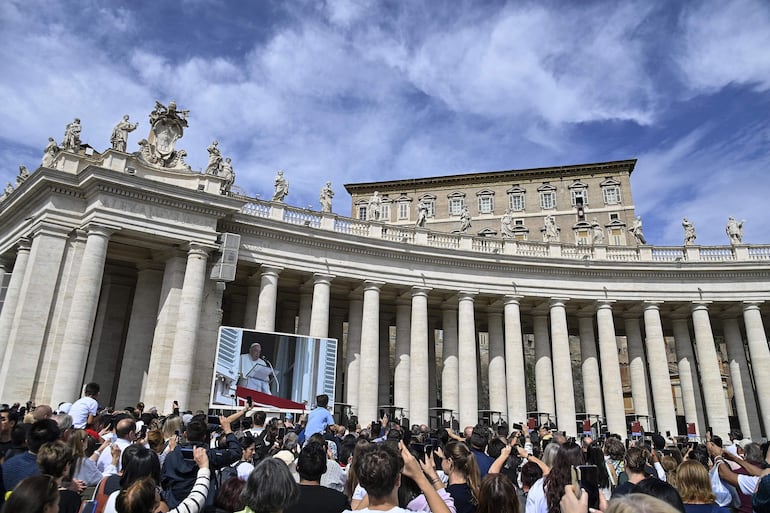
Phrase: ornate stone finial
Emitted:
{"points": [[422, 214], [637, 232], [215, 158], [689, 232], [167, 125], [550, 229], [119, 136], [734, 230], [326, 197], [374, 208], [226, 172], [280, 187], [598, 232], [465, 220], [50, 152], [72, 136]]}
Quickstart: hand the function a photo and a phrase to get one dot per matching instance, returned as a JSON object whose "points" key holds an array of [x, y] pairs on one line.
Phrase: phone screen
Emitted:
{"points": [[588, 477], [281, 432]]}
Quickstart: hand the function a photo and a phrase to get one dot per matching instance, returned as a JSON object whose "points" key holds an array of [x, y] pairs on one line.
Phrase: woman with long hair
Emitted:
{"points": [[459, 464], [694, 487], [545, 494], [86, 454]]}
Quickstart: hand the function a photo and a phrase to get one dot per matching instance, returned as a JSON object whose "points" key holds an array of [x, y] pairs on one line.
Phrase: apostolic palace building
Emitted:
{"points": [[497, 296]]}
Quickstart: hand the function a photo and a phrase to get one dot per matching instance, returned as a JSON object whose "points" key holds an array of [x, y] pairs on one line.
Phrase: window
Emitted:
{"points": [[582, 236], [362, 212], [579, 193], [614, 217], [431, 205], [616, 237], [403, 210], [547, 200], [486, 205], [518, 222], [611, 195], [516, 202], [456, 203], [385, 212]]}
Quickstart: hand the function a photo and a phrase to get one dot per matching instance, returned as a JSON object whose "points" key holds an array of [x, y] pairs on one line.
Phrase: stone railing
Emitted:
{"points": [[501, 246]]}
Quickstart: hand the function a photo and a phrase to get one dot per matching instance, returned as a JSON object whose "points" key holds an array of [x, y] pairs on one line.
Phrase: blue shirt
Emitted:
{"points": [[317, 422], [18, 468], [483, 460]]}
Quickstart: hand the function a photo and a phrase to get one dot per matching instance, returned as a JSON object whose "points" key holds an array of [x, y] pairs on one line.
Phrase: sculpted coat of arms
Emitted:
{"points": [[167, 124]]}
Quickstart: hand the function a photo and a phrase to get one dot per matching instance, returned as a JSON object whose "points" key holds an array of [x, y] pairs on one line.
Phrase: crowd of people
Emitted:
{"points": [[80, 458]]}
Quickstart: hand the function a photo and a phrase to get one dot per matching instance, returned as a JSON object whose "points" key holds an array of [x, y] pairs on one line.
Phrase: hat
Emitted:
{"points": [[186, 418], [285, 456], [64, 408]]}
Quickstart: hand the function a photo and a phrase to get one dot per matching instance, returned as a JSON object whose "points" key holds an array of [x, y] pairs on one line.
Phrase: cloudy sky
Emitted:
{"points": [[363, 90]]}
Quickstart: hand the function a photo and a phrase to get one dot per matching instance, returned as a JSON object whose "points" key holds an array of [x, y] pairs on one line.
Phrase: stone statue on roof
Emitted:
{"points": [[326, 197], [119, 137], [226, 172], [375, 207], [72, 136], [215, 159], [550, 229], [506, 224], [637, 232], [465, 220], [167, 124], [422, 214], [22, 176], [280, 187], [597, 232], [689, 232], [734, 230], [50, 152]]}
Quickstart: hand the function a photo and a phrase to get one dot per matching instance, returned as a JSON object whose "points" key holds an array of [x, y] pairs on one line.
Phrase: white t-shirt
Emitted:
{"points": [[81, 409]]}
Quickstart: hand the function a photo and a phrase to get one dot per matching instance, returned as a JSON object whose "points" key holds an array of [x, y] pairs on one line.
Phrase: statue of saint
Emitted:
{"points": [[22, 176], [734, 230], [598, 232], [215, 159], [422, 214], [119, 136], [326, 197], [226, 172], [72, 136], [689, 232], [374, 209], [281, 186], [551, 232], [506, 224], [8, 188], [50, 152], [465, 220], [636, 231]]}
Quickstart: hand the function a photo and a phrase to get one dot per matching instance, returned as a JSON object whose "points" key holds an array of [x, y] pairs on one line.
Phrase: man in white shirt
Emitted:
{"points": [[83, 411], [255, 371], [126, 433]]}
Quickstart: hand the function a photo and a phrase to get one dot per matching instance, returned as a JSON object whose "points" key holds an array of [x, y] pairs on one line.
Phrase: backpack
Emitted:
{"points": [[225, 473]]}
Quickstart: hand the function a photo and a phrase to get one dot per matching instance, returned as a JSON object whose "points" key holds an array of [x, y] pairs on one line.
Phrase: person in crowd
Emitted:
{"points": [[615, 453], [178, 476], [111, 482], [379, 468], [228, 497], [42, 412], [84, 450], [255, 371], [140, 463], [634, 464], [7, 423], [35, 494], [270, 488], [662, 490], [125, 430], [83, 411], [497, 495], [245, 465], [595, 456], [695, 489], [459, 464], [478, 444], [319, 418], [629, 503], [55, 459], [743, 483], [25, 464], [311, 465], [529, 474], [334, 477], [354, 491], [545, 494]]}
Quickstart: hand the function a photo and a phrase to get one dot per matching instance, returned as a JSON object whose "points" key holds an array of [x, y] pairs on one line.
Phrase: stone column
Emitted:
{"points": [[401, 371], [34, 301], [287, 319], [562, 367], [319, 316], [688, 376], [337, 332], [383, 390], [760, 357], [305, 310], [739, 373], [141, 326], [450, 380], [353, 353], [710, 372], [268, 295], [498, 400], [434, 325], [419, 380], [252, 301], [546, 403], [516, 381], [592, 382], [370, 353], [657, 359], [637, 369], [185, 339], [154, 388], [12, 294], [80, 325], [612, 385], [468, 403]]}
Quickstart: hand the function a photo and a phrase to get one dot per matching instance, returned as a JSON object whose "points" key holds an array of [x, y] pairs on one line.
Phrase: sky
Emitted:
{"points": [[361, 90]]}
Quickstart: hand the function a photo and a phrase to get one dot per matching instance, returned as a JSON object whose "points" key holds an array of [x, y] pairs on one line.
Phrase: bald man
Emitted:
{"points": [[125, 430]]}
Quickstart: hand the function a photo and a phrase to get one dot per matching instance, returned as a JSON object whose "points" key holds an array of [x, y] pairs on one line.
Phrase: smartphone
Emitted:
{"points": [[588, 480], [375, 429], [281, 432], [187, 453], [249, 401], [143, 432]]}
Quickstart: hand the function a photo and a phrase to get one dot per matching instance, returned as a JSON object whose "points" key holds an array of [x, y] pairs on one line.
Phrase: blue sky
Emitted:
{"points": [[357, 90]]}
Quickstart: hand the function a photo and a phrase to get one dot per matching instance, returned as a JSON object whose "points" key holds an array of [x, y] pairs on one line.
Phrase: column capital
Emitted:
{"points": [[373, 285], [512, 299], [751, 305], [102, 230], [696, 306], [652, 305], [323, 278], [557, 302], [198, 250], [51, 229], [420, 291], [604, 304], [467, 295], [24, 243], [272, 270]]}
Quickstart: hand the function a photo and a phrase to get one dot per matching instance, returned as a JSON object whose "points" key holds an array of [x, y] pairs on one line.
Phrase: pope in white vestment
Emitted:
{"points": [[255, 371]]}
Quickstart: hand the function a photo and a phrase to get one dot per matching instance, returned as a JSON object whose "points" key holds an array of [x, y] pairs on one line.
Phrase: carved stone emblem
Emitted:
{"points": [[167, 125]]}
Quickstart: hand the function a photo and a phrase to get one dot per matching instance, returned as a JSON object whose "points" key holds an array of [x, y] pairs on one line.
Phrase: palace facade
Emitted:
{"points": [[107, 261]]}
